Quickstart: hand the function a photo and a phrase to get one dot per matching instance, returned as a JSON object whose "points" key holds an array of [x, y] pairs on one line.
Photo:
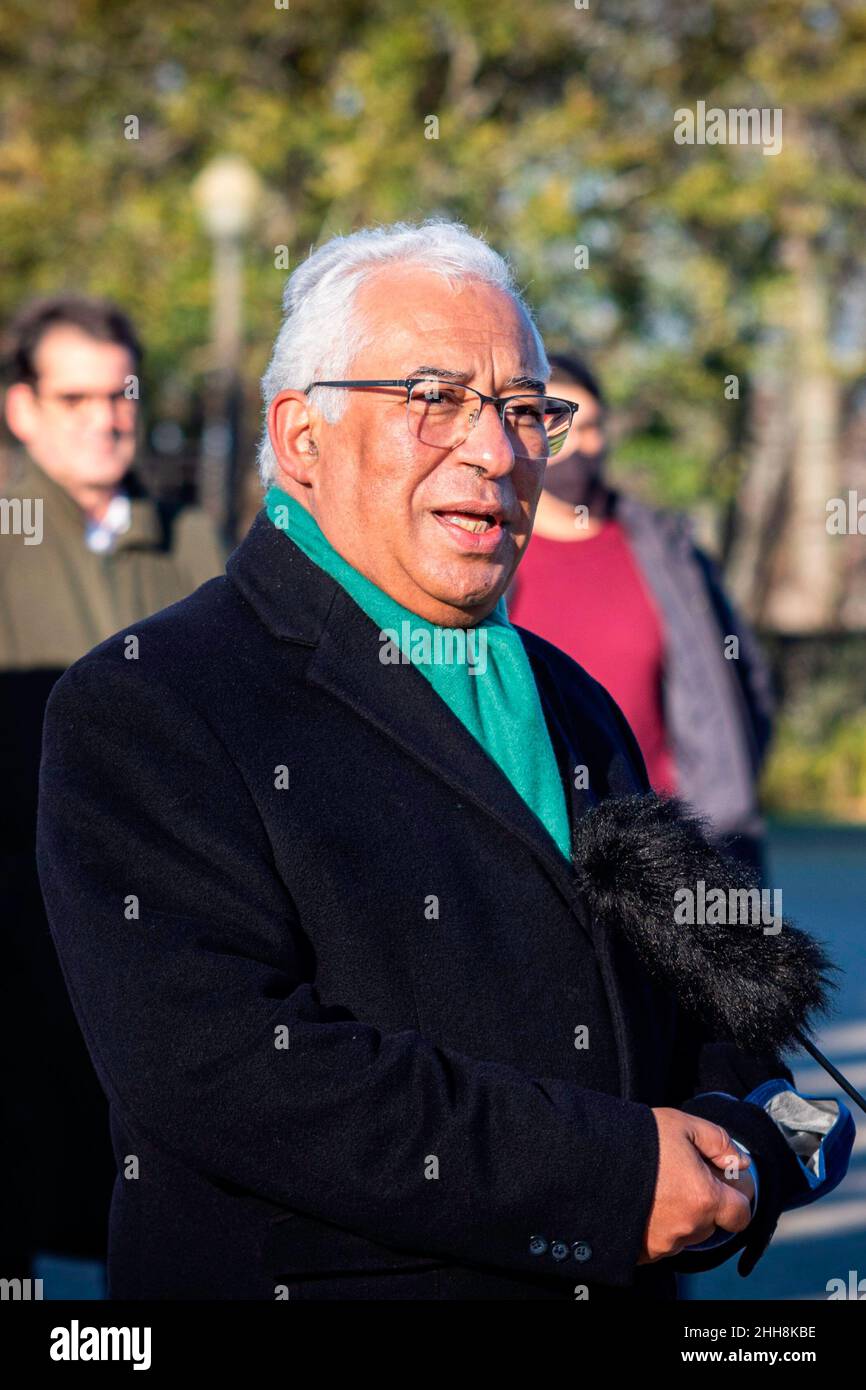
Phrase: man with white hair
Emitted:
{"points": [[313, 889]]}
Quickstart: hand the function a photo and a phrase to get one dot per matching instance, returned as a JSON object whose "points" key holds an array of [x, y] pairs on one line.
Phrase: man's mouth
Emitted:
{"points": [[473, 528], [469, 521]]}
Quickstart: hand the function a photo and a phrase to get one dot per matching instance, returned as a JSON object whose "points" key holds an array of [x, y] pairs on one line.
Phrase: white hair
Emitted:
{"points": [[321, 334]]}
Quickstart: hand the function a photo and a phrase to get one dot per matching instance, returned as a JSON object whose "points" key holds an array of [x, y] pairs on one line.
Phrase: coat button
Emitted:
{"points": [[537, 1245], [581, 1251], [559, 1249]]}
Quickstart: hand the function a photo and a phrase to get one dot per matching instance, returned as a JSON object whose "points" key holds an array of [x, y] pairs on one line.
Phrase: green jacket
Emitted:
{"points": [[58, 598]]}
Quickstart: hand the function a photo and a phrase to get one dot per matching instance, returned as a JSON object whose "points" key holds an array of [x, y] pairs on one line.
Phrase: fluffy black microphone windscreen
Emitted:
{"points": [[647, 869]]}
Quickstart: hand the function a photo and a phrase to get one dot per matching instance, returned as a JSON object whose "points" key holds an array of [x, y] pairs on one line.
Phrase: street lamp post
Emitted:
{"points": [[226, 194]]}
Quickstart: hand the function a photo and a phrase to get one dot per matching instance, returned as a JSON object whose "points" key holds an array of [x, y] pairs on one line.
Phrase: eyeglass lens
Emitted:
{"points": [[442, 414]]}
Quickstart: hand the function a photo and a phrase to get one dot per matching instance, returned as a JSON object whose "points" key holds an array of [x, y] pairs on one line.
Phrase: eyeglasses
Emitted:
{"points": [[442, 414], [77, 404]]}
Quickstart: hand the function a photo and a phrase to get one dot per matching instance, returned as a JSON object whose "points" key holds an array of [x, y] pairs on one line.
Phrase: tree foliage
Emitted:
{"points": [[555, 131]]}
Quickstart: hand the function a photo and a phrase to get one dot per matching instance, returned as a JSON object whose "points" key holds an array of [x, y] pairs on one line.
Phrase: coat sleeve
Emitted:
{"points": [[193, 984]]}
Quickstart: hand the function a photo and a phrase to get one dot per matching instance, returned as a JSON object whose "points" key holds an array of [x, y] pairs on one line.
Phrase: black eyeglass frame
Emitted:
{"points": [[500, 402]]}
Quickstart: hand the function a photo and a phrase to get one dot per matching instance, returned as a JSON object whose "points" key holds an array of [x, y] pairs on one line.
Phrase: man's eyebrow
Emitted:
{"points": [[531, 381], [448, 374], [445, 372]]}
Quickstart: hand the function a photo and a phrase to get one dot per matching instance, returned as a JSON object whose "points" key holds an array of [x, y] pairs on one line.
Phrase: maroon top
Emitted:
{"points": [[589, 598]]}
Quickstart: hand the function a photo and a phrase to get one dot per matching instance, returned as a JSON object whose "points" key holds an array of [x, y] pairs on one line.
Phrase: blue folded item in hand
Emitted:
{"points": [[821, 1132]]}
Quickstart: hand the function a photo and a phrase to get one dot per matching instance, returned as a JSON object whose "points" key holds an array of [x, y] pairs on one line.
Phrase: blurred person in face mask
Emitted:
{"points": [[85, 551], [623, 589]]}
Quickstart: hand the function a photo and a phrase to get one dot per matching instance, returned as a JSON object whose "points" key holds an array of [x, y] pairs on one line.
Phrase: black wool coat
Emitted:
{"points": [[331, 970]]}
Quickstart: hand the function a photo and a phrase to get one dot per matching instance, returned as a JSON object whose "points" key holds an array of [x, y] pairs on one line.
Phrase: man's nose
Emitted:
{"points": [[487, 442], [106, 415], [99, 414]]}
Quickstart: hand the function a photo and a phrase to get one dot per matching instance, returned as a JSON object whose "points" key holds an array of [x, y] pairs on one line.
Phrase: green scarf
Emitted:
{"points": [[482, 673]]}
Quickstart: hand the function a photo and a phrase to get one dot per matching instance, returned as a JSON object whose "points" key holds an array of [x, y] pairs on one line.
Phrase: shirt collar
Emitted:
{"points": [[101, 535]]}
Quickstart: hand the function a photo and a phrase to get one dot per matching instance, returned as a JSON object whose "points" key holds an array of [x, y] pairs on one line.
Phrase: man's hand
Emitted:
{"points": [[699, 1185]]}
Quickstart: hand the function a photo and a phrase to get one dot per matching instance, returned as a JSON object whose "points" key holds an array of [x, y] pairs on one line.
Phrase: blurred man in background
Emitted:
{"points": [[84, 552], [623, 589]]}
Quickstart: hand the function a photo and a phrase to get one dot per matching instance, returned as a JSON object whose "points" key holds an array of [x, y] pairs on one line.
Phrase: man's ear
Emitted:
{"points": [[20, 409], [291, 424]]}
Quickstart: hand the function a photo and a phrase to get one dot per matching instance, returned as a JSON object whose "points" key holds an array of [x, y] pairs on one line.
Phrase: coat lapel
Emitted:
{"points": [[298, 602], [623, 977], [401, 703]]}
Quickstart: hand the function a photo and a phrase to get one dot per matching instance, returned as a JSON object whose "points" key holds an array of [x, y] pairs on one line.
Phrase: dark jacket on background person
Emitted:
{"points": [[717, 710], [57, 600], [330, 967]]}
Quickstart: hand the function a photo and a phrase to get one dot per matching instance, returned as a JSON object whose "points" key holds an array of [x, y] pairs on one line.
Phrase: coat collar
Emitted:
{"points": [[299, 602]]}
